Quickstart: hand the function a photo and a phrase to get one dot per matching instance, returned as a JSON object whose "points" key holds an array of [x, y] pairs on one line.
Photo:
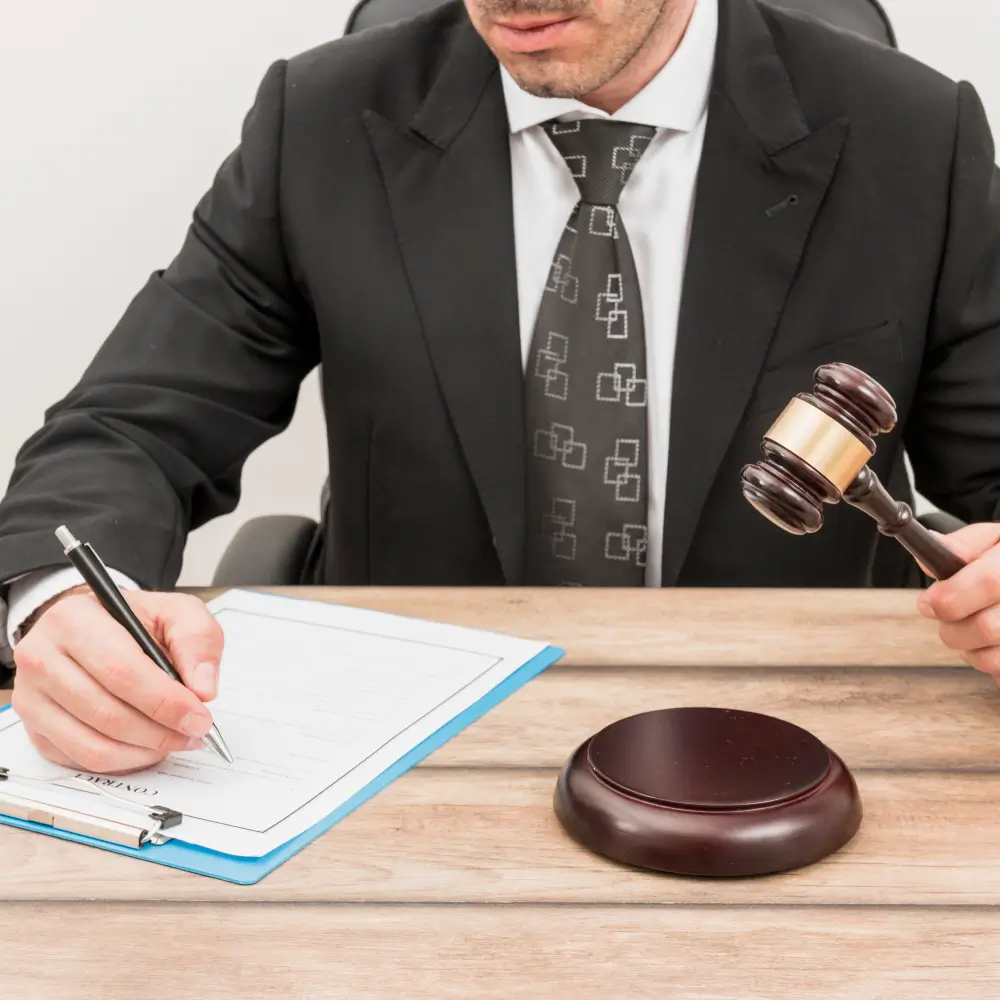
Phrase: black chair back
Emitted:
{"points": [[865, 17]]}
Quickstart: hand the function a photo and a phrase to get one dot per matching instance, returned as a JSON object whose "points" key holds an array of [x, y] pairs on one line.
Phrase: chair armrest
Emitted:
{"points": [[267, 552]]}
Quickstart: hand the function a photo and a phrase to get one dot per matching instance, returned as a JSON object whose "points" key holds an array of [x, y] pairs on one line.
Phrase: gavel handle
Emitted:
{"points": [[896, 519]]}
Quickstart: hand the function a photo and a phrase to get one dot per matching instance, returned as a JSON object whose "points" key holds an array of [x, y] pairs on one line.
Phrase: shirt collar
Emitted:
{"points": [[675, 98]]}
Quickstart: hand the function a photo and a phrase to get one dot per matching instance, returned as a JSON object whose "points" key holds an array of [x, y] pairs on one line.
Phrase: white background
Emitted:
{"points": [[114, 116]]}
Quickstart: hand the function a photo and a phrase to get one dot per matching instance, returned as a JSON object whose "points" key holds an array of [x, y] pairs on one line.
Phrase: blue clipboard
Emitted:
{"points": [[248, 871]]}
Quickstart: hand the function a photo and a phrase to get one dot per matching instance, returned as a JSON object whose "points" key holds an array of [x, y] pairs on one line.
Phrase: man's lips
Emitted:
{"points": [[532, 33], [526, 22]]}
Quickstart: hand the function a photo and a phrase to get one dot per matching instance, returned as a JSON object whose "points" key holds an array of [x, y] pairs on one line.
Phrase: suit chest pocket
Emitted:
{"points": [[877, 351]]}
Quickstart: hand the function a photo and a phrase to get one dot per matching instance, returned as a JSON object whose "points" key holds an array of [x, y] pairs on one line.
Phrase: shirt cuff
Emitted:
{"points": [[26, 594]]}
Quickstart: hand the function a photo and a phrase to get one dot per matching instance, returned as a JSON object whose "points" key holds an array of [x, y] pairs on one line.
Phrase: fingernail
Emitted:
{"points": [[206, 678], [195, 745], [925, 607], [195, 724]]}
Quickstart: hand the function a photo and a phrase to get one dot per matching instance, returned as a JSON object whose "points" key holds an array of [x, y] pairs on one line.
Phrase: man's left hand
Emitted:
{"points": [[967, 606]]}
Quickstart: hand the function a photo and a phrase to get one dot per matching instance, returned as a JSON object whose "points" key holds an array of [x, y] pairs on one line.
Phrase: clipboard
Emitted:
{"points": [[156, 835]]}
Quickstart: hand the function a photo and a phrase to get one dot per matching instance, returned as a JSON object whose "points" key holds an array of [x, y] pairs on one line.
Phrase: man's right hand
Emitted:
{"points": [[89, 697]]}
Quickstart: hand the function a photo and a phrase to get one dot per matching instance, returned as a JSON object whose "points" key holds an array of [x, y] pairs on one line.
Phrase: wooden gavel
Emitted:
{"points": [[817, 452]]}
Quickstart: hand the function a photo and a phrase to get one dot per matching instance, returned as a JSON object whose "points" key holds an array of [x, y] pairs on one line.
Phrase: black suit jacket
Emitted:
{"points": [[364, 225]]}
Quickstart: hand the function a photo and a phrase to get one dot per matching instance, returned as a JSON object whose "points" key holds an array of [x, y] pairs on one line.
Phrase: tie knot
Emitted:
{"points": [[600, 154]]}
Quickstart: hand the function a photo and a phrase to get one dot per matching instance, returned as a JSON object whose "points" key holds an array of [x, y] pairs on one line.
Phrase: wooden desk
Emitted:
{"points": [[457, 881]]}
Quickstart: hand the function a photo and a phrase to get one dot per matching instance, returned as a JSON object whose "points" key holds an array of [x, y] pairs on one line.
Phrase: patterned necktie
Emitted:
{"points": [[586, 380]]}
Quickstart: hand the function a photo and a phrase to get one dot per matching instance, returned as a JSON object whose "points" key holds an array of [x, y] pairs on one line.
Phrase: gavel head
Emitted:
{"points": [[817, 447]]}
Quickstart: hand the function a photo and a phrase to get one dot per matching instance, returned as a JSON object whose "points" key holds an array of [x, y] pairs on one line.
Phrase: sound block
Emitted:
{"points": [[709, 792]]}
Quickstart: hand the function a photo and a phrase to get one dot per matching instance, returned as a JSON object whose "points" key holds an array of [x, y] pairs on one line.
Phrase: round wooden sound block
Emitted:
{"points": [[708, 791]]}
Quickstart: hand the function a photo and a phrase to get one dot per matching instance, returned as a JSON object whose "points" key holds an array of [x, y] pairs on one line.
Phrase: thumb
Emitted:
{"points": [[193, 640], [969, 543], [972, 541]]}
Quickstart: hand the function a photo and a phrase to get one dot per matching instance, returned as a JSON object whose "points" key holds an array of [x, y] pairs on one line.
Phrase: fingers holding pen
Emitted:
{"points": [[82, 631]]}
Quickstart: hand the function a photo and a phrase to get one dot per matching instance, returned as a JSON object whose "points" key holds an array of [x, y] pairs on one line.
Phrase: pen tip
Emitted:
{"points": [[214, 739]]}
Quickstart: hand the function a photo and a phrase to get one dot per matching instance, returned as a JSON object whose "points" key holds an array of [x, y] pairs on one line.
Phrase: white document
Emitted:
{"points": [[315, 701]]}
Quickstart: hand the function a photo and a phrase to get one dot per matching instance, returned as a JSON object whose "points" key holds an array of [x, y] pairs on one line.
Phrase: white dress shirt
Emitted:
{"points": [[656, 208]]}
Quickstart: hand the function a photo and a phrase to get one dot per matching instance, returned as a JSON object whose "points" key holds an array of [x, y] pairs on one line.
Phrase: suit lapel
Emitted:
{"points": [[447, 178], [762, 179]]}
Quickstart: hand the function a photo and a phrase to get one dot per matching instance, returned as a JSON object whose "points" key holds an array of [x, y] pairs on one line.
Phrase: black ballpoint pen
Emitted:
{"points": [[93, 570]]}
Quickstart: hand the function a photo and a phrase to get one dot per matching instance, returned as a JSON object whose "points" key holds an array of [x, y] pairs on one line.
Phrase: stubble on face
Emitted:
{"points": [[604, 38]]}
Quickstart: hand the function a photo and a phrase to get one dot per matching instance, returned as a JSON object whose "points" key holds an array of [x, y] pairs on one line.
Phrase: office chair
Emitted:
{"points": [[276, 550]]}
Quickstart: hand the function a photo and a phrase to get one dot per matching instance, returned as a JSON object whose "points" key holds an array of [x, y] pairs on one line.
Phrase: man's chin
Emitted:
{"points": [[545, 76]]}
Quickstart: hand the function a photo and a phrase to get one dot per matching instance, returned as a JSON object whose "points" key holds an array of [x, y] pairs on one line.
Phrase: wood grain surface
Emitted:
{"points": [[439, 835], [678, 627], [467, 952], [457, 881]]}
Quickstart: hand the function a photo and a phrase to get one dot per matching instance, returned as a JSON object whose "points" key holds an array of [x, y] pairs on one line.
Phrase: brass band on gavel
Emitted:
{"points": [[822, 442]]}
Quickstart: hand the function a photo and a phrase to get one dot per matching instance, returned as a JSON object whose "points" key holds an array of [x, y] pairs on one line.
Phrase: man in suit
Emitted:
{"points": [[562, 263]]}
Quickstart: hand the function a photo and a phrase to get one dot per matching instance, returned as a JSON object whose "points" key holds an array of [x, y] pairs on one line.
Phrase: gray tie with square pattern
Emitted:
{"points": [[586, 390]]}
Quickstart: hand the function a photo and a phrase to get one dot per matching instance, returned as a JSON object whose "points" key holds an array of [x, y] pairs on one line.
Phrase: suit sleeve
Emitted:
{"points": [[203, 367], [953, 435]]}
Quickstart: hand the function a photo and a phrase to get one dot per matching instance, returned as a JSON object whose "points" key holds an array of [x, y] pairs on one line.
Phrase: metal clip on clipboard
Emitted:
{"points": [[156, 819]]}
